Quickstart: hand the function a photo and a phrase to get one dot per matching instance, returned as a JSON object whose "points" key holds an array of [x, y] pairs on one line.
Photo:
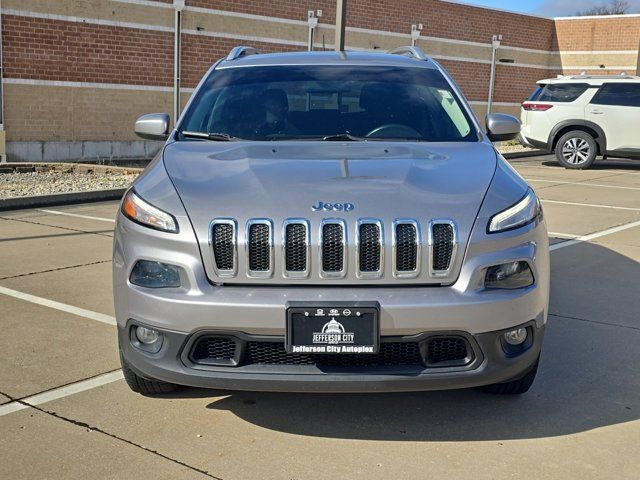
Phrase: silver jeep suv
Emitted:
{"points": [[330, 222]]}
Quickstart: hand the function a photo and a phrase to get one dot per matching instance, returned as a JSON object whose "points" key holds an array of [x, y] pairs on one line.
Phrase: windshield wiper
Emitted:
{"points": [[217, 137], [343, 136]]}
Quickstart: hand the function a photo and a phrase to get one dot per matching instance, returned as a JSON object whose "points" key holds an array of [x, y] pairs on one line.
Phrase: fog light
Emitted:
{"points": [[509, 275], [147, 336], [516, 337], [151, 274]]}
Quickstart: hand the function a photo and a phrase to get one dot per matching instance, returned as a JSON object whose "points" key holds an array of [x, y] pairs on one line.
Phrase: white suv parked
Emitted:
{"points": [[582, 116]]}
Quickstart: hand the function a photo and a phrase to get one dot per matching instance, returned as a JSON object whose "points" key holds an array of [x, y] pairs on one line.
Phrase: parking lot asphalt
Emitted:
{"points": [[65, 411]]}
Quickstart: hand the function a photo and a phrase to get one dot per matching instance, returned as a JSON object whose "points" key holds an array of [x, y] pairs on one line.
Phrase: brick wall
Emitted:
{"points": [[598, 34], [44, 49], [450, 20]]}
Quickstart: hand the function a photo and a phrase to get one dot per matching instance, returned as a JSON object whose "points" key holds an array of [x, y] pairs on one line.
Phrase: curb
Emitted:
{"points": [[515, 155], [61, 199]]}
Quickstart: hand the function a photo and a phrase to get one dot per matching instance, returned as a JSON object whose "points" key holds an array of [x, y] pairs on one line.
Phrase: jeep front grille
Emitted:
{"points": [[370, 246], [328, 257], [260, 248], [442, 246], [407, 248], [296, 248], [333, 248], [223, 240]]}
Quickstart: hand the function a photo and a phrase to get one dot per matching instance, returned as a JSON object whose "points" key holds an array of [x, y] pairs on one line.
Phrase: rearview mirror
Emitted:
{"points": [[153, 126], [501, 127]]}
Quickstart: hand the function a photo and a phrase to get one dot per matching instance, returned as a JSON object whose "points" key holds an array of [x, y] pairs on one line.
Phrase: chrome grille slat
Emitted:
{"points": [[223, 242], [296, 248], [443, 244], [259, 243], [369, 248], [333, 248], [407, 248]]}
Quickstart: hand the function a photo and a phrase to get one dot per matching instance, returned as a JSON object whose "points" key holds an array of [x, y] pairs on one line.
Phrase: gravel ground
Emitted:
{"points": [[514, 149], [45, 183]]}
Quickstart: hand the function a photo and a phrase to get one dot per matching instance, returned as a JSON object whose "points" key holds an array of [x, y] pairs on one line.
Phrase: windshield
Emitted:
{"points": [[316, 102]]}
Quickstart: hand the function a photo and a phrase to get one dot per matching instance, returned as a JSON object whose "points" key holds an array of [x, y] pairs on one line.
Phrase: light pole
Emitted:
{"points": [[178, 5], [341, 18]]}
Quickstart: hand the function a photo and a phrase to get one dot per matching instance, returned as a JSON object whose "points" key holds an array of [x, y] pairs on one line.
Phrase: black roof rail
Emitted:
{"points": [[241, 51], [409, 51]]}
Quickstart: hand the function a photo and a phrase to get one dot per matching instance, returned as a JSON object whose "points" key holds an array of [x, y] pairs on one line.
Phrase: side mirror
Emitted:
{"points": [[153, 126], [501, 127]]}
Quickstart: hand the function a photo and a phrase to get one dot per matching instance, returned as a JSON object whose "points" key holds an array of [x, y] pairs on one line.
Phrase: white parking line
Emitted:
{"points": [[601, 185], [81, 312], [88, 217], [558, 169], [566, 235], [591, 236], [61, 392], [591, 205]]}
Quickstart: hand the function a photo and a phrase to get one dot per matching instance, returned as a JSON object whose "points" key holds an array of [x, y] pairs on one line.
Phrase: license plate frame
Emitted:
{"points": [[314, 328]]}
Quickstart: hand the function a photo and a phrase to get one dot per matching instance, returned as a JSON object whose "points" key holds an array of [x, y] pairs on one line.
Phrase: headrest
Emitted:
{"points": [[278, 96], [372, 94]]}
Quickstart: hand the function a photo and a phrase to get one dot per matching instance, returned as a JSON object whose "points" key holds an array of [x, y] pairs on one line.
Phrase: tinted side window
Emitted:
{"points": [[565, 92], [621, 94]]}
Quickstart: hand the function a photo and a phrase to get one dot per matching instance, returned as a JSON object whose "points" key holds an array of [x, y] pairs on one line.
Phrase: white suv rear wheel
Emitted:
{"points": [[576, 150]]}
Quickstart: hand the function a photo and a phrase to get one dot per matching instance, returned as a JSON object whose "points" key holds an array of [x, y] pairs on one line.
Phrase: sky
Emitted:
{"points": [[549, 8]]}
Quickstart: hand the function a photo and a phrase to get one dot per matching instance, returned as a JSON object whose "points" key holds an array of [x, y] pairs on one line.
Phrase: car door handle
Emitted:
{"points": [[596, 112]]}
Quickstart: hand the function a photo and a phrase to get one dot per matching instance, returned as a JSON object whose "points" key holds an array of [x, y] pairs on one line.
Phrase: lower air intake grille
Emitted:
{"points": [[442, 246], [296, 247], [446, 349], [369, 249], [273, 353], [222, 240], [259, 247], [433, 352], [212, 349], [332, 247], [406, 247]]}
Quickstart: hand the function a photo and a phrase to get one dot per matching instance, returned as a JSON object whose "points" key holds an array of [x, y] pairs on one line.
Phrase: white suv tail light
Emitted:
{"points": [[536, 107]]}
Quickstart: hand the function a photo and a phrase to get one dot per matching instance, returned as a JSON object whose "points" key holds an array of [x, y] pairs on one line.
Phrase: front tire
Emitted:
{"points": [[142, 385], [576, 150], [514, 387]]}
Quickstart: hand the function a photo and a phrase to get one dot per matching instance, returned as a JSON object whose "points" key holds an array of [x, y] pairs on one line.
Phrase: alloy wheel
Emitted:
{"points": [[576, 150]]}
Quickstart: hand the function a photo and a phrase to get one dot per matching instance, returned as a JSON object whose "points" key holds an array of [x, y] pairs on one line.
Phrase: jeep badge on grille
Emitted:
{"points": [[336, 207]]}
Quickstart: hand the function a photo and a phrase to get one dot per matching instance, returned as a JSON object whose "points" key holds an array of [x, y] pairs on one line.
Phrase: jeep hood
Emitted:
{"points": [[280, 180]]}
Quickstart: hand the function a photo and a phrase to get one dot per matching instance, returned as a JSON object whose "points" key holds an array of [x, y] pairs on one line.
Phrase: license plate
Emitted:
{"points": [[333, 328]]}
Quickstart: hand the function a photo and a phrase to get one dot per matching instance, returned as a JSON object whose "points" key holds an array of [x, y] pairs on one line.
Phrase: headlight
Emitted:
{"points": [[525, 211], [136, 209]]}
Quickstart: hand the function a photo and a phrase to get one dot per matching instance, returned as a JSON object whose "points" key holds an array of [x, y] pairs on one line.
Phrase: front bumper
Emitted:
{"points": [[490, 364]]}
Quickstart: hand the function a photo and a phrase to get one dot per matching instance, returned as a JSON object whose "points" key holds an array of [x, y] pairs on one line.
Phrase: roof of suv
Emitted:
{"points": [[595, 80], [328, 58]]}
